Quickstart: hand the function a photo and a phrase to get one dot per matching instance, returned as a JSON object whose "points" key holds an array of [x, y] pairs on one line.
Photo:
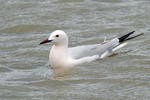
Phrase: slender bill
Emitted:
{"points": [[45, 41]]}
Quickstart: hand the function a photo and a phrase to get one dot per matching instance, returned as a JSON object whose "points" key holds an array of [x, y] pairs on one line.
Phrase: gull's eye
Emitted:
{"points": [[57, 35]]}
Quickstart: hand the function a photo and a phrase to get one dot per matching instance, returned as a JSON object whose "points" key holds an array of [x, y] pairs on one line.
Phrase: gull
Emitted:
{"points": [[61, 56]]}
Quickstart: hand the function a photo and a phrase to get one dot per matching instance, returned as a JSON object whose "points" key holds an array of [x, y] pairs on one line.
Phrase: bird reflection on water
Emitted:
{"points": [[62, 73]]}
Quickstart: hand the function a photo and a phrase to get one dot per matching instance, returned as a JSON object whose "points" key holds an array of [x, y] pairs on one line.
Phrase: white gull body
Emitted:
{"points": [[62, 56]]}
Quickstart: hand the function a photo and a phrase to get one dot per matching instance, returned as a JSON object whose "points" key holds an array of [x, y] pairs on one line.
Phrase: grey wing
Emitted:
{"points": [[91, 50]]}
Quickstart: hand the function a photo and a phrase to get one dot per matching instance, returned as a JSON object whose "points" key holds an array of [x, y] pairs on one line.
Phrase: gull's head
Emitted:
{"points": [[58, 37]]}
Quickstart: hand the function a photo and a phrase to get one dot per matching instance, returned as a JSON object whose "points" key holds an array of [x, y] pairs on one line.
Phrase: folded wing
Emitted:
{"points": [[97, 49]]}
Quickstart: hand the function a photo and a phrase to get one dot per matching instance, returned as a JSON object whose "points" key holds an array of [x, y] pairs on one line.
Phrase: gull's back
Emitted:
{"points": [[91, 50]]}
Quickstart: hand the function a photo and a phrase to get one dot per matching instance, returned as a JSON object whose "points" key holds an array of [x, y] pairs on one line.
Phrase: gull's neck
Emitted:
{"points": [[63, 45], [61, 48]]}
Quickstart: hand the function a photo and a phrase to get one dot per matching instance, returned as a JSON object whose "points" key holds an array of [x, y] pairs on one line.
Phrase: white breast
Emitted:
{"points": [[58, 57]]}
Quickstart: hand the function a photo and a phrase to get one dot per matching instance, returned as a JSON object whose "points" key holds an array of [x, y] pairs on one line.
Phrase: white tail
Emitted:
{"points": [[119, 46]]}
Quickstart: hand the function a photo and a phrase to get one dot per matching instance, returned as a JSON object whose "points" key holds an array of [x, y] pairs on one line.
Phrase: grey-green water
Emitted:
{"points": [[24, 71]]}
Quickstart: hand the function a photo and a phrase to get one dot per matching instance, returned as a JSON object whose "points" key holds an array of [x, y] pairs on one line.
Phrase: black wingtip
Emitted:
{"points": [[135, 36], [123, 38]]}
